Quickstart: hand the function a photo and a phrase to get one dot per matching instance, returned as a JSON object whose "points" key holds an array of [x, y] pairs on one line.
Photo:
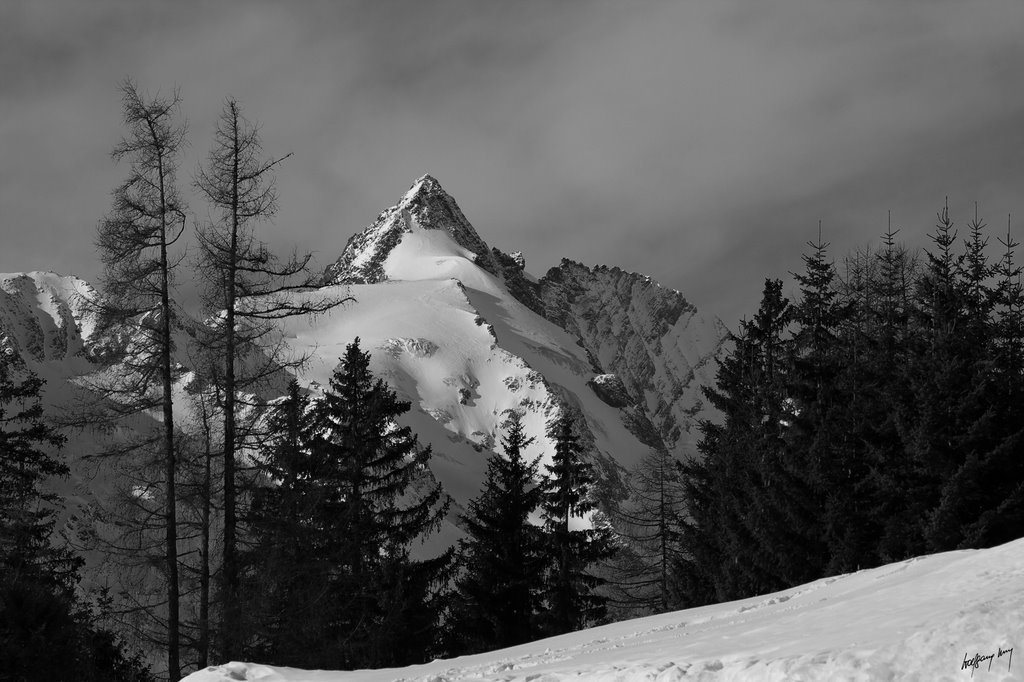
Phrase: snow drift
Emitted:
{"points": [[951, 616]]}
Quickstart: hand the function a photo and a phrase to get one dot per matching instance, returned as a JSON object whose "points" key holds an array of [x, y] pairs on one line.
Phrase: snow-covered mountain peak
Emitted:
{"points": [[425, 184], [651, 344], [425, 206]]}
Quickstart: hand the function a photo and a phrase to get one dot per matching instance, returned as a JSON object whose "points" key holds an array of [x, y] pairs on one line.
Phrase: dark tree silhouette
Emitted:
{"points": [[46, 633], [350, 492], [498, 594], [248, 291], [135, 243], [569, 589]]}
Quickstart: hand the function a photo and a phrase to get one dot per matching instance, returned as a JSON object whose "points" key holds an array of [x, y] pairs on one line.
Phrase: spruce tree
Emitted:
{"points": [[716, 539], [739, 531], [569, 590], [46, 632], [894, 427], [981, 407], [27, 510], [498, 592], [852, 411], [822, 459], [948, 377], [1000, 516], [1008, 310], [884, 399], [783, 515], [383, 604], [288, 578]]}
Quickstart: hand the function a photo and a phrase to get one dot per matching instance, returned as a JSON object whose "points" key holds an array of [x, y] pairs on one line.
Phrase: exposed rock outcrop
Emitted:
{"points": [[655, 342]]}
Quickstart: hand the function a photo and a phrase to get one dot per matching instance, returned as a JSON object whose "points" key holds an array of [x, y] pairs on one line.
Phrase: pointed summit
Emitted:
{"points": [[426, 184], [425, 206]]}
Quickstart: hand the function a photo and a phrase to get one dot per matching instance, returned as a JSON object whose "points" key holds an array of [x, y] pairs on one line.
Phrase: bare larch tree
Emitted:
{"points": [[248, 292], [135, 243]]}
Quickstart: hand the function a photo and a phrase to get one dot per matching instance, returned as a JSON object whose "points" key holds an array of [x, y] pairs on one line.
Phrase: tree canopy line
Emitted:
{"points": [[875, 417]]}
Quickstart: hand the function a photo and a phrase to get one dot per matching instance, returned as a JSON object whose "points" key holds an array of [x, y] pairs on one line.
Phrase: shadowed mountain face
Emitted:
{"points": [[649, 337]]}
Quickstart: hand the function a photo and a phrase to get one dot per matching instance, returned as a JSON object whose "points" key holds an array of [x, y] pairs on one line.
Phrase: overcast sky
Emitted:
{"points": [[699, 142]]}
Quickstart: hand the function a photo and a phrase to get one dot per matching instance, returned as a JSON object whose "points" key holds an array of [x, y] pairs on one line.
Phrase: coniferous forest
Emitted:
{"points": [[869, 411], [875, 417]]}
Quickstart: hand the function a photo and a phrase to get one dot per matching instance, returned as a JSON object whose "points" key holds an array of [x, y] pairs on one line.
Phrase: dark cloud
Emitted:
{"points": [[699, 142]]}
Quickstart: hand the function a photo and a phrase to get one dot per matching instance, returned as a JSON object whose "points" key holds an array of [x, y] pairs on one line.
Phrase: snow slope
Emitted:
{"points": [[916, 620]]}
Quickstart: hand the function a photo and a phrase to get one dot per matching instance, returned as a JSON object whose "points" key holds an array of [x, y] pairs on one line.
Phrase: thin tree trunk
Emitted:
{"points": [[232, 605], [204, 566], [173, 665], [240, 186], [663, 530]]}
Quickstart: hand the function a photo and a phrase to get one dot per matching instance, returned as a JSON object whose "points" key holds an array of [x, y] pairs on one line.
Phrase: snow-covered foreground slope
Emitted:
{"points": [[915, 620]]}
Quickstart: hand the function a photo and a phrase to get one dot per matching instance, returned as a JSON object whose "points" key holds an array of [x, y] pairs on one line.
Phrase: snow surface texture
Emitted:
{"points": [[915, 620]]}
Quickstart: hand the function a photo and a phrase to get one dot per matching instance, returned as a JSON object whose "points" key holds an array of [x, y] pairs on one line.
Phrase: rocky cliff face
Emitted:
{"points": [[653, 340]]}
